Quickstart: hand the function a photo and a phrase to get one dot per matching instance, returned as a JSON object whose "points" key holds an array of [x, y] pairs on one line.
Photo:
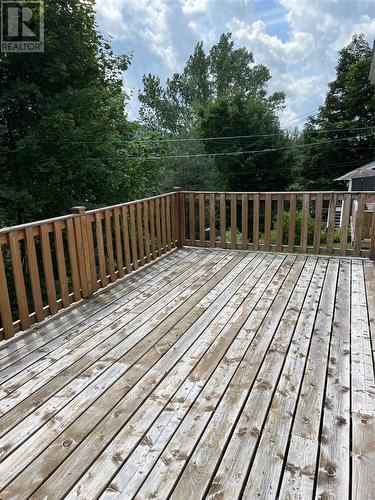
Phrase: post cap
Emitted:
{"points": [[177, 188], [79, 210]]}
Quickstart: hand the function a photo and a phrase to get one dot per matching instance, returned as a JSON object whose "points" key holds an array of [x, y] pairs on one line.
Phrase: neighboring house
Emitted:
{"points": [[361, 179]]}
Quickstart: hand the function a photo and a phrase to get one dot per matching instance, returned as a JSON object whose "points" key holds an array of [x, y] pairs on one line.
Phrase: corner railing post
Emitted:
{"points": [[180, 217], [83, 254]]}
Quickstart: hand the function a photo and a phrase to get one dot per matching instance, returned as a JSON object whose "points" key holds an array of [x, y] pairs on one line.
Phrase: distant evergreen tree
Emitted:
{"points": [[349, 103]]}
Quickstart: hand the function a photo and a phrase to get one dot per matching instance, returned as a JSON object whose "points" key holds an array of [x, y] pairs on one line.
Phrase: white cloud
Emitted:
{"points": [[191, 7], [297, 40], [304, 62], [269, 49], [140, 20]]}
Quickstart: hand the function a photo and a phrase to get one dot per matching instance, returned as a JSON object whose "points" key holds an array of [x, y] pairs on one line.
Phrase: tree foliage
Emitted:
{"points": [[219, 93], [224, 71], [247, 169], [62, 115], [349, 103]]}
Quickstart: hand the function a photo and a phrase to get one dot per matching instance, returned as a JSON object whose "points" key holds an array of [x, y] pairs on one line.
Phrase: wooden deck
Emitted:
{"points": [[208, 373]]}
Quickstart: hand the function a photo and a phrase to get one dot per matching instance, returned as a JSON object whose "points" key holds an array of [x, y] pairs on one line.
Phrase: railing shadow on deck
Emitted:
{"points": [[48, 265]]}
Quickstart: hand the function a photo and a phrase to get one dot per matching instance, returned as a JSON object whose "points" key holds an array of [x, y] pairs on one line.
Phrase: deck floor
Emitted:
{"points": [[209, 373]]}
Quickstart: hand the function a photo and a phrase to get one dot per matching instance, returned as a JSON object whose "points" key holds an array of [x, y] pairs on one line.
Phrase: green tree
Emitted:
{"points": [[349, 103], [175, 108], [247, 169], [62, 119]]}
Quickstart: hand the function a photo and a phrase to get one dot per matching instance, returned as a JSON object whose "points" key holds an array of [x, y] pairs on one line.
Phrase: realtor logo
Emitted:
{"points": [[22, 26]]}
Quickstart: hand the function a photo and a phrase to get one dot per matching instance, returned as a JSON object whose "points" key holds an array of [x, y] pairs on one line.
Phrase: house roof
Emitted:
{"points": [[367, 170]]}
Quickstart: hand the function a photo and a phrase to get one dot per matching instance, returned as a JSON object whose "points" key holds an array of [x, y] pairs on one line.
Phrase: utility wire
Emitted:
{"points": [[208, 139], [235, 153], [224, 153]]}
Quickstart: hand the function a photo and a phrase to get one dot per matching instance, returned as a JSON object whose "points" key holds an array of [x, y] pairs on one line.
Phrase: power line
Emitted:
{"points": [[298, 120], [209, 139], [224, 153], [234, 153]]}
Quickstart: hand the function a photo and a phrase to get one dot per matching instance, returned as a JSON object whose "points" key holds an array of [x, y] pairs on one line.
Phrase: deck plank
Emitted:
{"points": [[141, 363], [209, 373], [231, 475], [334, 462], [27, 341], [299, 472], [362, 391], [58, 335], [95, 337], [264, 475]]}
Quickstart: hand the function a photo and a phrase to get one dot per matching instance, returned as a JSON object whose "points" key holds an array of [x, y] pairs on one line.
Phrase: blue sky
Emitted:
{"points": [[297, 39]]}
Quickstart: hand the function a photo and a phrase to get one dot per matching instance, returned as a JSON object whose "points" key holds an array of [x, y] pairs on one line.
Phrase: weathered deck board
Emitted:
{"points": [[209, 373]]}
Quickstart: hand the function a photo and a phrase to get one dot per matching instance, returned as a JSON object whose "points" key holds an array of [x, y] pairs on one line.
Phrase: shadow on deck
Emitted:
{"points": [[208, 373]]}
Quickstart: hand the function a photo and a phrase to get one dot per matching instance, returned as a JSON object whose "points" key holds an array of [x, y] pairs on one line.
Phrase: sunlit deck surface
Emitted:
{"points": [[208, 373]]}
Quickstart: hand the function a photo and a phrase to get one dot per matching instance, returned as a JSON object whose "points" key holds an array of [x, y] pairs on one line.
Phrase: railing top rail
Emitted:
{"points": [[21, 227], [356, 193], [95, 210]]}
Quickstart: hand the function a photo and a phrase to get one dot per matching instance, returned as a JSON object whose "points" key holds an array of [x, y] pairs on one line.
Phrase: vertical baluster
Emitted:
{"points": [[280, 222], [267, 222], [318, 222], [233, 220], [125, 233], [174, 204], [372, 240], [202, 220], [345, 223], [133, 236], [91, 252], [223, 222], [82, 264], [120, 261], [305, 221], [163, 225], [212, 220], [331, 222], [245, 221], [358, 222], [292, 222], [109, 245], [192, 219], [152, 229], [5, 310], [181, 219], [168, 221], [141, 245], [147, 231], [34, 274], [61, 267], [158, 227], [256, 222], [101, 251], [73, 260], [48, 269]]}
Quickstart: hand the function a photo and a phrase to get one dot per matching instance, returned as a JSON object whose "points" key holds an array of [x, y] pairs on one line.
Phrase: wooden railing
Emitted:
{"points": [[47, 265], [303, 222]]}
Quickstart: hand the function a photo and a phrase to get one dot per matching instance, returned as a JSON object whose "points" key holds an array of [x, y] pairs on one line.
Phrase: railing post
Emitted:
{"points": [[180, 217], [372, 240], [83, 253]]}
